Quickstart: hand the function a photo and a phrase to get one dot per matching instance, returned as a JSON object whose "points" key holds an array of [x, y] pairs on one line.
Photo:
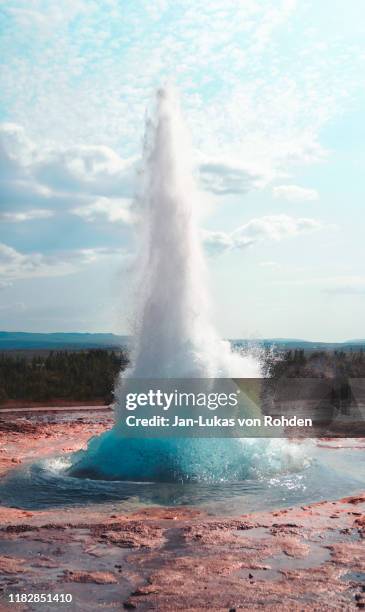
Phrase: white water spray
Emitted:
{"points": [[174, 335]]}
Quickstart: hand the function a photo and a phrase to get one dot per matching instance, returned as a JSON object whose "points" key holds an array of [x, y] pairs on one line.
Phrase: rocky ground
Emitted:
{"points": [[166, 559]]}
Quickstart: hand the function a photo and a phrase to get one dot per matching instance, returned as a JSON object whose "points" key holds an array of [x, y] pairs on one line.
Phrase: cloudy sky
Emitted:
{"points": [[273, 94]]}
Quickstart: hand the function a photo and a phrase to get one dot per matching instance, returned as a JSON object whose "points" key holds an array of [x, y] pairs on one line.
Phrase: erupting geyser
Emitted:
{"points": [[174, 338]]}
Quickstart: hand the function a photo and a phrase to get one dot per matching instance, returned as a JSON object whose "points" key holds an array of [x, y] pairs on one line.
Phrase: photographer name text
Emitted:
{"points": [[218, 422]]}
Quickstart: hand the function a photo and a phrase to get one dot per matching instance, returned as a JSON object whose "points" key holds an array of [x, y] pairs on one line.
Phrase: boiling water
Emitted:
{"points": [[47, 484]]}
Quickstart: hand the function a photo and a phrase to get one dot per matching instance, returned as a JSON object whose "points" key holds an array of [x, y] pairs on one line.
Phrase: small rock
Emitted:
{"points": [[94, 577]]}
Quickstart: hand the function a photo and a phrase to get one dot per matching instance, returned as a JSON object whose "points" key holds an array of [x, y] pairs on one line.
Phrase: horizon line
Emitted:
{"points": [[236, 338]]}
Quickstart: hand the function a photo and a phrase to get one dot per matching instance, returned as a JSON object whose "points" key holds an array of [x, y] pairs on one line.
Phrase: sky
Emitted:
{"points": [[273, 94]]}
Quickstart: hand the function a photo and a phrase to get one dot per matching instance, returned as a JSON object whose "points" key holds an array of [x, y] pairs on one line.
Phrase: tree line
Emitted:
{"points": [[62, 375], [316, 364], [91, 374]]}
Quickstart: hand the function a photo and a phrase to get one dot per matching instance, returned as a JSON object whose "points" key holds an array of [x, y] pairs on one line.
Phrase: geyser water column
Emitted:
{"points": [[174, 337]]}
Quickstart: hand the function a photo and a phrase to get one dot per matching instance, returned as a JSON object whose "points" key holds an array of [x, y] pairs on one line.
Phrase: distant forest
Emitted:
{"points": [[90, 375], [316, 364], [77, 376]]}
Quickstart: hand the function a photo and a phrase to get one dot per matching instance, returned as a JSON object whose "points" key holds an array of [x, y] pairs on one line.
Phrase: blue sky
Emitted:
{"points": [[273, 94]]}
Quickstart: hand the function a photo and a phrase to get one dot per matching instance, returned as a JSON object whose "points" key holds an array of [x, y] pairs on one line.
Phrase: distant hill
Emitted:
{"points": [[10, 341], [37, 341], [307, 345]]}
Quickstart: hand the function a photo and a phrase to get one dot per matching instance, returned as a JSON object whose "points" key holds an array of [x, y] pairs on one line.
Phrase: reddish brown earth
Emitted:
{"points": [[55, 403], [166, 559], [23, 439]]}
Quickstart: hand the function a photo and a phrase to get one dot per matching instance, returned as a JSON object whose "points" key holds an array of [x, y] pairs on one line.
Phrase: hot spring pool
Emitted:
{"points": [[330, 472]]}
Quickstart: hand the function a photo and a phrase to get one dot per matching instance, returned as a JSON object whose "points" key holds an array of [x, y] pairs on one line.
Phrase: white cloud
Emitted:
{"points": [[27, 18], [347, 289], [14, 143], [90, 170], [17, 265], [226, 176], [217, 242], [87, 79], [331, 285], [4, 284], [92, 182], [275, 16], [21, 195], [294, 193], [16, 217], [274, 227], [113, 211]]}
